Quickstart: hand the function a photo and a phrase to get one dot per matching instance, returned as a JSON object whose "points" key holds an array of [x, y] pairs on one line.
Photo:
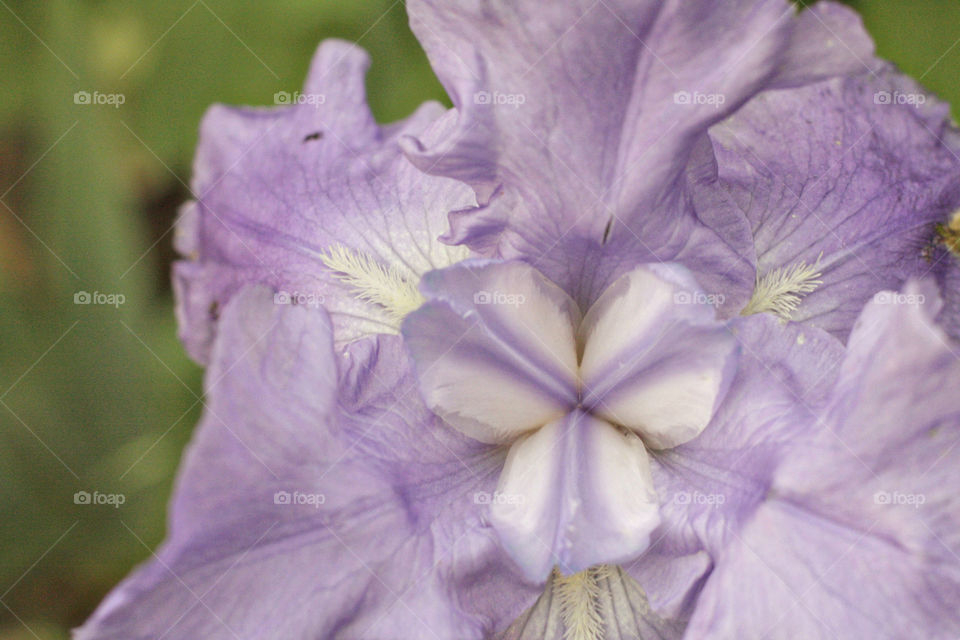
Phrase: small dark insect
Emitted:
{"points": [[316, 135], [214, 310]]}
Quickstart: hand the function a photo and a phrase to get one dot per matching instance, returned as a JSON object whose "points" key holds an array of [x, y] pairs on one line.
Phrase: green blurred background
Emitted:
{"points": [[103, 398]]}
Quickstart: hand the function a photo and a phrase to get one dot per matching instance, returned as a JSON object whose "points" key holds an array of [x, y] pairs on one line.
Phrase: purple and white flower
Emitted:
{"points": [[651, 334]]}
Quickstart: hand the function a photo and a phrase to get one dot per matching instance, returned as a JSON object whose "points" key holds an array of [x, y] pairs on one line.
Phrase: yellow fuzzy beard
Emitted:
{"points": [[388, 287]]}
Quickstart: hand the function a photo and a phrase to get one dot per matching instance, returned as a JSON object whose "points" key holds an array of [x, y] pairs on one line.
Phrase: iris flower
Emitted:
{"points": [[651, 335]]}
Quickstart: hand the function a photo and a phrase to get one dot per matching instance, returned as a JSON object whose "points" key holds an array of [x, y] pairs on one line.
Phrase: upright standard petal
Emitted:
{"points": [[567, 134], [315, 200], [843, 183], [320, 499], [828, 40], [584, 174], [858, 534]]}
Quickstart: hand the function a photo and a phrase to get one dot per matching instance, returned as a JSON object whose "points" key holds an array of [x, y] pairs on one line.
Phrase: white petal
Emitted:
{"points": [[634, 309], [655, 359], [671, 402], [576, 493], [494, 348]]}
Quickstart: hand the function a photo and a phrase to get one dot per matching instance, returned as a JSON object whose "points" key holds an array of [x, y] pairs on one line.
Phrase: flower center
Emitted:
{"points": [[506, 357]]}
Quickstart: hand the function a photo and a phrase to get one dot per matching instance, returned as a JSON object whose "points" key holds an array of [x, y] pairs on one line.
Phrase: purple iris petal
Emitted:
{"points": [[319, 499], [835, 176], [827, 40], [576, 126], [709, 486], [857, 536], [278, 188]]}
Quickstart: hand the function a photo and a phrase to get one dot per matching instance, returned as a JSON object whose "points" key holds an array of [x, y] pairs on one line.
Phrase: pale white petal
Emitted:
{"points": [[494, 348], [633, 311], [671, 403], [576, 493], [655, 358]]}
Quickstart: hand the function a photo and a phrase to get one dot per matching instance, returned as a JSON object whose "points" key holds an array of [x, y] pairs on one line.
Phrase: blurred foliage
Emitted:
{"points": [[922, 37], [103, 398], [93, 397]]}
